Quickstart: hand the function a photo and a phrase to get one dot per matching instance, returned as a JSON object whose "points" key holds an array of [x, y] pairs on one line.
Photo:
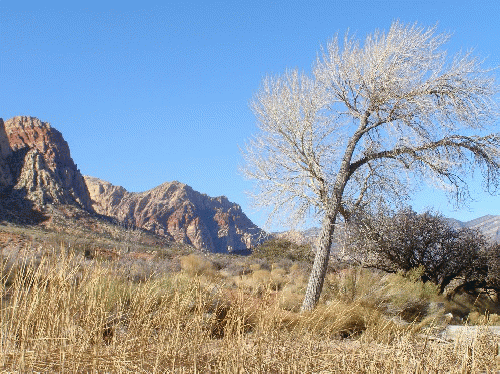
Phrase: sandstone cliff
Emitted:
{"points": [[36, 167], [176, 210], [38, 179]]}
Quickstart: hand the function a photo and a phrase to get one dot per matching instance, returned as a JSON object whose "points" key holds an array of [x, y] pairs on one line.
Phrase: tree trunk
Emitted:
{"points": [[318, 272], [332, 207]]}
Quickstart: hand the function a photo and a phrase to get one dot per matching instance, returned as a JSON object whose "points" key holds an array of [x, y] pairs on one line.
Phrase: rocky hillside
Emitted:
{"points": [[39, 181], [176, 210], [489, 225], [36, 168]]}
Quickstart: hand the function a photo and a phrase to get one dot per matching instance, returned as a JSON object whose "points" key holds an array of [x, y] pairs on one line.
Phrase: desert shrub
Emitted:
{"points": [[493, 261], [255, 267], [196, 265], [476, 318], [291, 297], [262, 276], [407, 296], [401, 295], [277, 249], [278, 273], [352, 283]]}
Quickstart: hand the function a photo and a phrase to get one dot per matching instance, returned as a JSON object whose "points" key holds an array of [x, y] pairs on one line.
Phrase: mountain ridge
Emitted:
{"points": [[488, 224], [36, 169], [38, 177], [176, 210]]}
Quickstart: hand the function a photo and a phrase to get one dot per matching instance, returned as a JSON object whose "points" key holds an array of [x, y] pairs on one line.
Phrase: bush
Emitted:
{"points": [[493, 261], [406, 240], [196, 265], [284, 249]]}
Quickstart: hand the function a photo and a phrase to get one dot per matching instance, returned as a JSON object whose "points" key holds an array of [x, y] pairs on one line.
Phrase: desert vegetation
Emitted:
{"points": [[185, 312], [455, 259]]}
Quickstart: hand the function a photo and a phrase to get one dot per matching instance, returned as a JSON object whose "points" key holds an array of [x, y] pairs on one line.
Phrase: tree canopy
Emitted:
{"points": [[370, 122]]}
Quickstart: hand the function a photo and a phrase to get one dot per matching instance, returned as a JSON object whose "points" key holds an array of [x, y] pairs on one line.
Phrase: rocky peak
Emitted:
{"points": [[175, 210], [37, 166], [31, 133]]}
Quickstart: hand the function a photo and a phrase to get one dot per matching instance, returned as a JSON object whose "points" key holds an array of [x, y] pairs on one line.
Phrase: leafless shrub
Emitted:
{"points": [[493, 261], [405, 240]]}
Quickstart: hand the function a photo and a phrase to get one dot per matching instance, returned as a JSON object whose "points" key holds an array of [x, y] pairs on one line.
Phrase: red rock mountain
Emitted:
{"points": [[36, 167], [176, 210], [38, 173]]}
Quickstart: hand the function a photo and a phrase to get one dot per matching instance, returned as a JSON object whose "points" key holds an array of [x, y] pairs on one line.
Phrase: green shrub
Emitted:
{"points": [[276, 249]]}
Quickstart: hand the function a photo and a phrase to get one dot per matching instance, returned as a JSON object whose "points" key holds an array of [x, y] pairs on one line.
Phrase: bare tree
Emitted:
{"points": [[371, 122]]}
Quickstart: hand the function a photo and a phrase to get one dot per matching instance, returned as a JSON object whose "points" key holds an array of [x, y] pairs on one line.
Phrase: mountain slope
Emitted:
{"points": [[36, 168], [175, 210], [489, 225]]}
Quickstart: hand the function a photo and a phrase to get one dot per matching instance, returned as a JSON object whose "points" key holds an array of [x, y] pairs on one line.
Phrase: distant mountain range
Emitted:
{"points": [[175, 210], [38, 175], [489, 225]]}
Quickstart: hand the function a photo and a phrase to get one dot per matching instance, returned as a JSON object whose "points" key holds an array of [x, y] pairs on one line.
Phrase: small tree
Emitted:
{"points": [[370, 122], [405, 240]]}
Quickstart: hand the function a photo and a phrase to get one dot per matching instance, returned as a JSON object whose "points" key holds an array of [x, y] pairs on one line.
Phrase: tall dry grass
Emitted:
{"points": [[61, 313]]}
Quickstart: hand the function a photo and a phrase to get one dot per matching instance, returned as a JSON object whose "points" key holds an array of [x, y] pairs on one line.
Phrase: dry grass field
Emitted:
{"points": [[61, 312]]}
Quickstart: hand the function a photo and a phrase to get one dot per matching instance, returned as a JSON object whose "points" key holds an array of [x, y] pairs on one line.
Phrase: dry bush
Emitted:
{"points": [[476, 318], [282, 249], [291, 297], [405, 240], [401, 295], [195, 264], [255, 267], [262, 276], [278, 274]]}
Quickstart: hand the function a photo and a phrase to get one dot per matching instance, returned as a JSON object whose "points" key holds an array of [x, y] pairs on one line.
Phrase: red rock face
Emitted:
{"points": [[29, 132], [176, 210], [39, 165], [36, 169]]}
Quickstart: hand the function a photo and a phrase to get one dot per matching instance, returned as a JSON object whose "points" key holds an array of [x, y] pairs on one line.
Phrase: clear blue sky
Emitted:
{"points": [[153, 91]]}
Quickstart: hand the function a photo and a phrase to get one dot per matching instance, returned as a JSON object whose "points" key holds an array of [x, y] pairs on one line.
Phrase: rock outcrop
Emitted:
{"points": [[36, 166], [5, 153], [176, 210]]}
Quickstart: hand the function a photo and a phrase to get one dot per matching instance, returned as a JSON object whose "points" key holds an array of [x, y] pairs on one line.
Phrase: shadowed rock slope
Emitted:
{"points": [[176, 210], [36, 169]]}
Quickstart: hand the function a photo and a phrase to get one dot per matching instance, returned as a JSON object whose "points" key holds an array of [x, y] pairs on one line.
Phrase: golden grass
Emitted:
{"points": [[195, 264], [65, 314]]}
